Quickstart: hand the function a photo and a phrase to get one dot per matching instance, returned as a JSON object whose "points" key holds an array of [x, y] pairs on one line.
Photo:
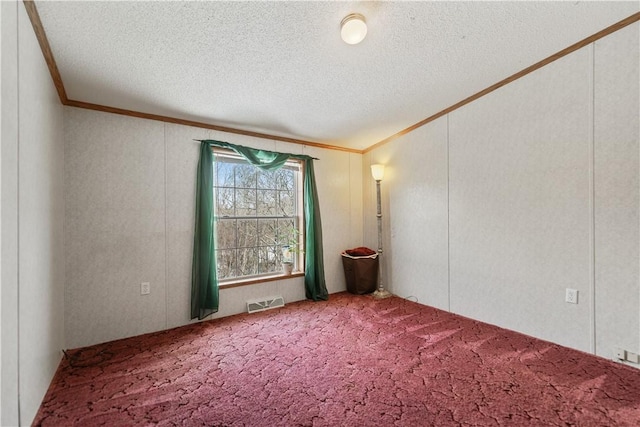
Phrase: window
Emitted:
{"points": [[258, 216]]}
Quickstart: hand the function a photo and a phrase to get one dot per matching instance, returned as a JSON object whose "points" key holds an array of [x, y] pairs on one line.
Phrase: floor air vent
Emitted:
{"points": [[254, 306]]}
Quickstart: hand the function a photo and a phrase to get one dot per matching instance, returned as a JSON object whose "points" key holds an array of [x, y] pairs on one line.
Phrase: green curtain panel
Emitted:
{"points": [[204, 280], [314, 280], [315, 286]]}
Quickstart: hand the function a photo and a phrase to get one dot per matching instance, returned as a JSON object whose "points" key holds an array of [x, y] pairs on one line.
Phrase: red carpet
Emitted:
{"points": [[351, 361]]}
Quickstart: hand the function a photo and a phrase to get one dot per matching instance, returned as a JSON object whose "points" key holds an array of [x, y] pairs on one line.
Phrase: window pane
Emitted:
{"points": [[266, 232], [285, 231], [266, 203], [247, 233], [247, 262], [224, 174], [287, 203], [224, 202], [285, 179], [245, 202], [245, 176], [269, 259], [247, 244], [226, 263], [226, 234], [267, 180]]}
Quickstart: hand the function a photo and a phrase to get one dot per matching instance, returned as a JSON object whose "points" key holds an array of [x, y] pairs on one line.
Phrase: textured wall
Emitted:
{"points": [[538, 193], [129, 193], [616, 141], [114, 225], [32, 221], [414, 214], [9, 214], [41, 219], [519, 204]]}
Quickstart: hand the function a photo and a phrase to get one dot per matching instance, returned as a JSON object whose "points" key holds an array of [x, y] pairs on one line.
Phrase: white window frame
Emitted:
{"points": [[230, 156]]}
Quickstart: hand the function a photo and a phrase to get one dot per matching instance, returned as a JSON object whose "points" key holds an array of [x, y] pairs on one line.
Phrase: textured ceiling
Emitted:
{"points": [[281, 67]]}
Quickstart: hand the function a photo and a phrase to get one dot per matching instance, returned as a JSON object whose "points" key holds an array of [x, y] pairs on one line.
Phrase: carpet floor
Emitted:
{"points": [[351, 361]]}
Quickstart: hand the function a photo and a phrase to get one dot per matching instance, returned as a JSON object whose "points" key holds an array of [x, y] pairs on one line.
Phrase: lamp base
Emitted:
{"points": [[381, 294]]}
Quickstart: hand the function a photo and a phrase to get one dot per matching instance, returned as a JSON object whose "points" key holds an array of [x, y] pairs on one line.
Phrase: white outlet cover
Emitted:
{"points": [[571, 296], [632, 357], [145, 288]]}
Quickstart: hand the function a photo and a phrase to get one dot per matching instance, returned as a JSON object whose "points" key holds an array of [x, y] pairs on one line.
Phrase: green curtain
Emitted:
{"points": [[315, 287], [265, 160], [314, 280], [204, 280]]}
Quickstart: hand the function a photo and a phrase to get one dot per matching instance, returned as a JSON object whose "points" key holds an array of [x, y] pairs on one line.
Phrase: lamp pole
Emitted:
{"points": [[378, 172]]}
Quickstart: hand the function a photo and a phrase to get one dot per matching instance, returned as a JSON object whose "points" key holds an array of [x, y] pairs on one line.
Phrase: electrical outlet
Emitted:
{"points": [[145, 288], [619, 353], [571, 296]]}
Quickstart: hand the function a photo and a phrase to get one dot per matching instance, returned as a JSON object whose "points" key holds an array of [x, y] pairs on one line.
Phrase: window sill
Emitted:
{"points": [[263, 279]]}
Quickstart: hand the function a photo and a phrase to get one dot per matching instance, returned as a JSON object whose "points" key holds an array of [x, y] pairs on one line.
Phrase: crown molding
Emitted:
{"points": [[36, 23], [564, 52], [34, 17], [168, 119]]}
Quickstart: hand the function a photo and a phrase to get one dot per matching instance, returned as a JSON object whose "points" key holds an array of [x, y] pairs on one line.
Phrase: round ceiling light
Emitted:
{"points": [[353, 28]]}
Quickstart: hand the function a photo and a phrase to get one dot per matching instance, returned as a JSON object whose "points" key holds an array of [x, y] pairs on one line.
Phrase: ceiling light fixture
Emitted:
{"points": [[353, 28]]}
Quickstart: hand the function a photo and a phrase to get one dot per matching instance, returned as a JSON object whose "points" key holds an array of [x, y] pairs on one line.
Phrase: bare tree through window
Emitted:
{"points": [[256, 213]]}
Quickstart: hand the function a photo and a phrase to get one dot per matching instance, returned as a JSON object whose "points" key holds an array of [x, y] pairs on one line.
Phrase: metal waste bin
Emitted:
{"points": [[361, 273]]}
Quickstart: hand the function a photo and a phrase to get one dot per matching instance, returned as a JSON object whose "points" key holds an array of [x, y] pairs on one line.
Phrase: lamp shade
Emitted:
{"points": [[353, 28], [378, 172]]}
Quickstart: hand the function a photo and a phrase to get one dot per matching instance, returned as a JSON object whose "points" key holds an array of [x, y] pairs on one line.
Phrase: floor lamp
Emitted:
{"points": [[378, 173]]}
